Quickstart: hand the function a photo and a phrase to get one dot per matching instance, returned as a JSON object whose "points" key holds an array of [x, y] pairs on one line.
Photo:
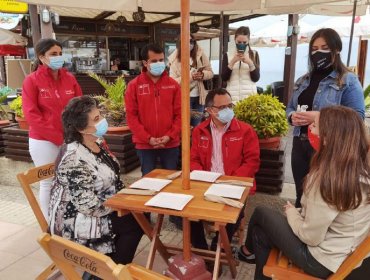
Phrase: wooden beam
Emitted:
{"points": [[35, 26], [103, 15], [245, 18], [185, 100], [290, 59], [46, 27], [361, 60], [224, 40], [166, 19]]}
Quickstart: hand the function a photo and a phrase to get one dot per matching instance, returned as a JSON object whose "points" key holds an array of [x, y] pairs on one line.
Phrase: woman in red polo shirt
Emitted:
{"points": [[46, 92]]}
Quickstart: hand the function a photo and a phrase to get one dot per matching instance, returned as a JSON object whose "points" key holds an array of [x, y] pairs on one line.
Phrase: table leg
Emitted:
{"points": [[149, 231], [186, 239], [153, 246], [217, 260], [226, 246]]}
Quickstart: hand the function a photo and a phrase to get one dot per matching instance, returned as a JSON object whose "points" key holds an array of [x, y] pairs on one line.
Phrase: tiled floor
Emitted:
{"points": [[20, 255]]}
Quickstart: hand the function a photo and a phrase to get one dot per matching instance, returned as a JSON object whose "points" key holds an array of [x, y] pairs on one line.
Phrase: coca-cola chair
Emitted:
{"points": [[26, 179], [72, 258]]}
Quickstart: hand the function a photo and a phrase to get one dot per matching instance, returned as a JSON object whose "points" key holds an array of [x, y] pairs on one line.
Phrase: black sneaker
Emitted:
{"points": [[251, 258]]}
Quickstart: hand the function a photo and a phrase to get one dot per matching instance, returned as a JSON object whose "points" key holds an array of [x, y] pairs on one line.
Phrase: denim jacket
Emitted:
{"points": [[349, 94]]}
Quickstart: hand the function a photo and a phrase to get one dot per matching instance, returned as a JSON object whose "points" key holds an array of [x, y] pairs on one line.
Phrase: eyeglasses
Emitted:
{"points": [[230, 106]]}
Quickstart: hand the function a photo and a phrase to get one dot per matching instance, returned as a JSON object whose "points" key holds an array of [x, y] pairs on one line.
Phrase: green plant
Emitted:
{"points": [[16, 106], [4, 92], [367, 97], [112, 104], [264, 113]]}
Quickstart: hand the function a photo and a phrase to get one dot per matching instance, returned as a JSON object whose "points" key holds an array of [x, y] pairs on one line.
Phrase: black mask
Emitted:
{"points": [[321, 59]]}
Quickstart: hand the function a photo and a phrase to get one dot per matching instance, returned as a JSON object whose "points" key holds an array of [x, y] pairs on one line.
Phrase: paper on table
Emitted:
{"points": [[169, 200], [150, 184], [205, 176], [225, 190]]}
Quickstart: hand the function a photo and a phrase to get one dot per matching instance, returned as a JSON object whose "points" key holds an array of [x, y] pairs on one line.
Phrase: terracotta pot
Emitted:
{"points": [[22, 123], [270, 143], [118, 130]]}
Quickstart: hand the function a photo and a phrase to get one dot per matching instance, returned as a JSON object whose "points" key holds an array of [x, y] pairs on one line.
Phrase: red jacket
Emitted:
{"points": [[153, 110], [240, 149], [43, 101]]}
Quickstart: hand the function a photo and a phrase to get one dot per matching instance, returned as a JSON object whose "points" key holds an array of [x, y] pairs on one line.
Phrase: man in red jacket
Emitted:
{"points": [[226, 145], [153, 111]]}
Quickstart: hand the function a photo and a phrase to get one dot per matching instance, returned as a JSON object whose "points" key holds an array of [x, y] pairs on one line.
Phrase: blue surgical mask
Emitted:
{"points": [[56, 62], [225, 115], [241, 47], [101, 128], [157, 68]]}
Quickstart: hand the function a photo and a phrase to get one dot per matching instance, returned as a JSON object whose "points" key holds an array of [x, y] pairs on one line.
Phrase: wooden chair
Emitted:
{"points": [[279, 267], [26, 179], [70, 256]]}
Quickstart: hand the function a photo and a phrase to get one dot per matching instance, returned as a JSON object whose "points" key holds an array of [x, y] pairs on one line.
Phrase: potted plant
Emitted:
{"points": [[4, 92], [266, 114], [16, 106], [112, 105]]}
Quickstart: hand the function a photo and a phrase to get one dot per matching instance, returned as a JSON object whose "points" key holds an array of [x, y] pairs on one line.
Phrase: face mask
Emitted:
{"points": [[314, 140], [157, 68], [101, 128], [56, 62], [241, 47], [321, 59], [225, 115]]}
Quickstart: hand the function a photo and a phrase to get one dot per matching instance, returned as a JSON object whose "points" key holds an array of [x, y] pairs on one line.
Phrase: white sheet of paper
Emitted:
{"points": [[205, 176], [169, 200], [225, 190], [150, 184]]}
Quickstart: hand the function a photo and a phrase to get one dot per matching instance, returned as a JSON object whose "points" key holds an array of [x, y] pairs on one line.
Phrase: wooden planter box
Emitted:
{"points": [[2, 140], [16, 147], [270, 177]]}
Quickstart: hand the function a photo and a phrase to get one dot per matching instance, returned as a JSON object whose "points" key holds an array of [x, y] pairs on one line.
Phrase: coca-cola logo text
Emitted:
{"points": [[84, 262], [45, 172]]}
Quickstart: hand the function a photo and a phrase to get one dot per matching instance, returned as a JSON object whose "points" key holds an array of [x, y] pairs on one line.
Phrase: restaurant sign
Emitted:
{"points": [[10, 6], [75, 27]]}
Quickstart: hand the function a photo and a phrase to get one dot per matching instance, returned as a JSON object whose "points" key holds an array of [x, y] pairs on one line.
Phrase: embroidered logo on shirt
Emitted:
{"points": [[45, 93], [70, 92], [143, 89], [204, 142], [232, 139]]}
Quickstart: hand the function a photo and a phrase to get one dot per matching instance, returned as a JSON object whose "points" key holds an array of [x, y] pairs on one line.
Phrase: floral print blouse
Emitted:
{"points": [[83, 182]]}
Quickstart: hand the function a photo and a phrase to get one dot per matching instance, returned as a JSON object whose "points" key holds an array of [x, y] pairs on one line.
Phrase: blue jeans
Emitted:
{"points": [[195, 106], [148, 158]]}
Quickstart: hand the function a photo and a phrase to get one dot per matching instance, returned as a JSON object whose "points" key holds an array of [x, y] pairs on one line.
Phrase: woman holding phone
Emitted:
{"points": [[240, 67], [200, 70]]}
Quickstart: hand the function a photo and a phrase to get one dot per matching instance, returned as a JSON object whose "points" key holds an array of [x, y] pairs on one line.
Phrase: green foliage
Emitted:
{"points": [[265, 113], [367, 97], [16, 106], [112, 105], [268, 90], [4, 92]]}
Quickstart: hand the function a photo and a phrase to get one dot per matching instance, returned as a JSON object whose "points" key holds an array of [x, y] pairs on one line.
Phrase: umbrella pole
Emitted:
{"points": [[352, 28], [185, 100]]}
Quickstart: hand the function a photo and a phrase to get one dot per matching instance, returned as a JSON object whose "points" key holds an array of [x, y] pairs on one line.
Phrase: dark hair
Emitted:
{"points": [[75, 117], [334, 43], [41, 48], [244, 31], [343, 159], [211, 95], [150, 47], [193, 52]]}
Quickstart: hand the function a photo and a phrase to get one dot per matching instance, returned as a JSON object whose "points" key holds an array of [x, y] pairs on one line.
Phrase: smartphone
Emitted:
{"points": [[241, 51]]}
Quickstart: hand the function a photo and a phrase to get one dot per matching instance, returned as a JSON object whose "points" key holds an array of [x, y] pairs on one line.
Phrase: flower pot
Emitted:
{"points": [[118, 130], [22, 123], [270, 143]]}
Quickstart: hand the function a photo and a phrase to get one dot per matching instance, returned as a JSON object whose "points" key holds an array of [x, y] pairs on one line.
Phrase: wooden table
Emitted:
{"points": [[197, 209]]}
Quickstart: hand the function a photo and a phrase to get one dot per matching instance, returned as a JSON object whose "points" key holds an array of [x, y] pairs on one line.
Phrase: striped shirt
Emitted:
{"points": [[217, 164]]}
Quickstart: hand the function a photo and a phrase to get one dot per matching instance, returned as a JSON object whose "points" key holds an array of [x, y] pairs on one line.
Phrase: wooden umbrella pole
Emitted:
{"points": [[185, 100]]}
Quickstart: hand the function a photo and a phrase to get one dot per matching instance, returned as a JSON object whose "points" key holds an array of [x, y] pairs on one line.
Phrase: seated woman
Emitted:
{"points": [[334, 218], [86, 175]]}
